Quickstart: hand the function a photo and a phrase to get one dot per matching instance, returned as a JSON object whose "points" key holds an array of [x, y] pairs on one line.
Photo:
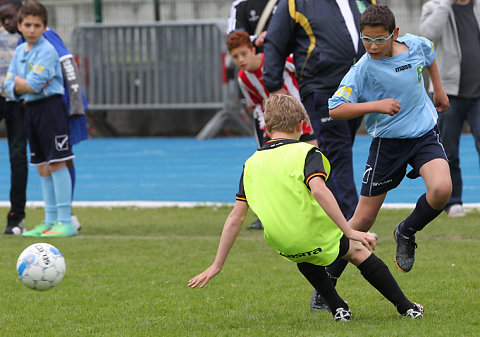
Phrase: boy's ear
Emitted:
{"points": [[395, 33]]}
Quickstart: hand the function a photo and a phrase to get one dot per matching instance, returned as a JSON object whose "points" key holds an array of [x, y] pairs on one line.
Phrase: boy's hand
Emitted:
{"points": [[367, 239], [204, 277], [441, 102], [388, 106]]}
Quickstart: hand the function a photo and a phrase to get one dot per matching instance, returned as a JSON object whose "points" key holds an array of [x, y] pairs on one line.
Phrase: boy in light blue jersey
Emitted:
{"points": [[387, 86], [35, 76]]}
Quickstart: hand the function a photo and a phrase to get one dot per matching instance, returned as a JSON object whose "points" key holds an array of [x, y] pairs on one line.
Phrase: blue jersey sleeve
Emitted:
{"points": [[349, 89], [428, 50]]}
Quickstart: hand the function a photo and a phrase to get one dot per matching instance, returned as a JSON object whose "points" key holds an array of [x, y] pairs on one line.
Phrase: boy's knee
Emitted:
{"points": [[440, 195], [357, 253]]}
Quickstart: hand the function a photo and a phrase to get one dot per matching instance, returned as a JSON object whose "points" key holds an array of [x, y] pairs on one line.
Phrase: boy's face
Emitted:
{"points": [[244, 57], [8, 17], [382, 47], [32, 28]]}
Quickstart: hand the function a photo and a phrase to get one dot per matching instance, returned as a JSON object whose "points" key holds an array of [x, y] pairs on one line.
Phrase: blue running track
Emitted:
{"points": [[188, 170]]}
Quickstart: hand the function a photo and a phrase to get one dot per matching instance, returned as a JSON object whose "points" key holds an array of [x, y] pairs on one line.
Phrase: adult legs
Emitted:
{"points": [[473, 118], [335, 139], [450, 124], [17, 146]]}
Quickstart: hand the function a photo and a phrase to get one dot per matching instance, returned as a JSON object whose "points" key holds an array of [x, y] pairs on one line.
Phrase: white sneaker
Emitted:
{"points": [[76, 223], [456, 211]]}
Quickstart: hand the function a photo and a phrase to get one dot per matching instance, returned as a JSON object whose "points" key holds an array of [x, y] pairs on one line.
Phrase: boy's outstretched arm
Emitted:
{"points": [[440, 98], [229, 234], [388, 106], [325, 198]]}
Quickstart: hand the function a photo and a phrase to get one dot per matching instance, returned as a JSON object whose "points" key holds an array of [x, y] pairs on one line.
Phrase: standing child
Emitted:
{"points": [[35, 76], [386, 85], [11, 111], [74, 97], [284, 183], [250, 79]]}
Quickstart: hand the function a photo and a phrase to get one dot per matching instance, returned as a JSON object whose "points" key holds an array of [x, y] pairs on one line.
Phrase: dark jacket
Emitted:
{"points": [[316, 33]]}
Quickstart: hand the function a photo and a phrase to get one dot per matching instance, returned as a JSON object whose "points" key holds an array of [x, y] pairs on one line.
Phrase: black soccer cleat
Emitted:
{"points": [[415, 312], [16, 229], [318, 303], [257, 224], [343, 315], [405, 255]]}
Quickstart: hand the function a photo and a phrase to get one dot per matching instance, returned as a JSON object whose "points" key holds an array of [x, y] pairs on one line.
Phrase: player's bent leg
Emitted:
{"points": [[366, 212], [374, 270], [436, 174], [318, 278]]}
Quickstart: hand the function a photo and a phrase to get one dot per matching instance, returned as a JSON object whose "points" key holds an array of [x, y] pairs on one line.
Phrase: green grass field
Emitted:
{"points": [[127, 275]]}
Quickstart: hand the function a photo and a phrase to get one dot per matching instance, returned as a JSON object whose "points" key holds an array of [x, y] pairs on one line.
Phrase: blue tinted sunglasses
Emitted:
{"points": [[378, 40]]}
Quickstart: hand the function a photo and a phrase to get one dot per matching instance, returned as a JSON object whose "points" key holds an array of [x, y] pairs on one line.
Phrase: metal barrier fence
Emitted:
{"points": [[158, 66]]}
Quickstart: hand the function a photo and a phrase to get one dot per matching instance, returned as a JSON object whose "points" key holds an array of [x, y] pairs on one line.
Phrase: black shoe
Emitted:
{"points": [[318, 303], [16, 229], [415, 312], [256, 225], [343, 315], [405, 255]]}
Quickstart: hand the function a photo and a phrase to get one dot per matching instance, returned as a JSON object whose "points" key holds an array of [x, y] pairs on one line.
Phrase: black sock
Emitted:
{"points": [[378, 275], [336, 269], [419, 218], [319, 279]]}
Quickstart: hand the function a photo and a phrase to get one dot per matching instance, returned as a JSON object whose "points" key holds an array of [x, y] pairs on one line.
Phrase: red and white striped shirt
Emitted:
{"points": [[253, 88]]}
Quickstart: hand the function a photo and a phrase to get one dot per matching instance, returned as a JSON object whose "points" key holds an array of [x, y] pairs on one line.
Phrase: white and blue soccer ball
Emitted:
{"points": [[41, 266]]}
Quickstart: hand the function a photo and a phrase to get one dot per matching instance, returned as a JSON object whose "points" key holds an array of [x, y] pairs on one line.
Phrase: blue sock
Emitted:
{"points": [[49, 199], [73, 178], [63, 194], [419, 218]]}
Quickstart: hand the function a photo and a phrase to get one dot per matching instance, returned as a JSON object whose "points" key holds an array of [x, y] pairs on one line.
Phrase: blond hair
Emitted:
{"points": [[283, 113]]}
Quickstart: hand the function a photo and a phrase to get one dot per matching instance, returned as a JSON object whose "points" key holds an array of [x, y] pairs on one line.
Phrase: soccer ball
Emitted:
{"points": [[41, 266]]}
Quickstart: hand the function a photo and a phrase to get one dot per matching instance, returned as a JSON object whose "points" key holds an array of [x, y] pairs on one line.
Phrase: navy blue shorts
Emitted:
{"points": [[388, 159], [46, 124]]}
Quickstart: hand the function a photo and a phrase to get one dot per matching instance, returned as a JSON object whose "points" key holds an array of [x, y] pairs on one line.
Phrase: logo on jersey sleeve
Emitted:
{"points": [[37, 69], [344, 92]]}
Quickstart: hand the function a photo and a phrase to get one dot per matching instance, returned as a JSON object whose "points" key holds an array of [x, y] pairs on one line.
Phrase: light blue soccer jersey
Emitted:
{"points": [[399, 77], [39, 66]]}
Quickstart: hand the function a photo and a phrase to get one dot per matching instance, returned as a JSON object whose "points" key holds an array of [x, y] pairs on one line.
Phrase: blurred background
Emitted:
{"points": [[146, 76]]}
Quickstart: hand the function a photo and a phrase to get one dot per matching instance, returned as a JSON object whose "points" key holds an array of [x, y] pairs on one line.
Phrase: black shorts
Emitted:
{"points": [[388, 159], [46, 124]]}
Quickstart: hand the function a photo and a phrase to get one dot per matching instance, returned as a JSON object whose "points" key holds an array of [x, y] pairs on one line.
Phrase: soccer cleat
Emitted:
{"points": [[15, 229], [415, 312], [76, 223], [37, 231], [456, 211], [343, 315], [405, 255], [60, 229], [257, 224], [318, 303]]}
